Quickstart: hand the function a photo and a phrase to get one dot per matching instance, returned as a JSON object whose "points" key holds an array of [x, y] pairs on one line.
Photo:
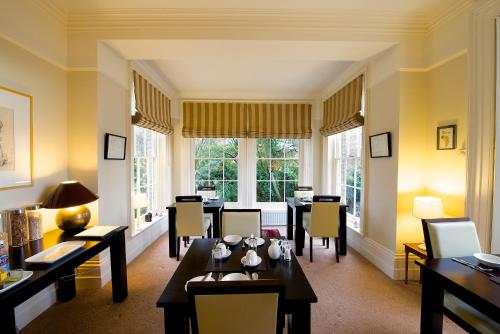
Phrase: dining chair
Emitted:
{"points": [[244, 307], [189, 219], [457, 237], [323, 221], [243, 222], [207, 193]]}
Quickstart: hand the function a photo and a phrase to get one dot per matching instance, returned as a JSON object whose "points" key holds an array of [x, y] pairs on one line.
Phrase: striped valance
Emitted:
{"points": [[214, 120], [342, 110], [152, 107], [279, 120]]}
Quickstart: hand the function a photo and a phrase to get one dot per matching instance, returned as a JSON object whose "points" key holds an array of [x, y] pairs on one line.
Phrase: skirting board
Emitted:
{"points": [[35, 306]]}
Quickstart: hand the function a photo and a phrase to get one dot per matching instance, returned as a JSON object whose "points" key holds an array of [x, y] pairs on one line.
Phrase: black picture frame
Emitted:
{"points": [[114, 147], [380, 145], [444, 134]]}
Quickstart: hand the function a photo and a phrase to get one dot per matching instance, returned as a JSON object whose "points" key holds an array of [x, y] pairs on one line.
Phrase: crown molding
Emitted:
{"points": [[435, 65], [53, 10], [449, 14]]}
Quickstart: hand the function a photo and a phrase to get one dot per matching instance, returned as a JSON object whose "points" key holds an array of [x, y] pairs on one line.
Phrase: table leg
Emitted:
{"points": [[299, 232], [289, 222], [342, 231], [172, 238], [8, 319], [119, 268], [216, 222], [431, 317], [176, 322], [406, 265], [300, 321], [66, 286]]}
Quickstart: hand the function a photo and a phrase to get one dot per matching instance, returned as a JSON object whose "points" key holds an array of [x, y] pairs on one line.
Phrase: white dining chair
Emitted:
{"points": [[243, 222], [457, 237]]}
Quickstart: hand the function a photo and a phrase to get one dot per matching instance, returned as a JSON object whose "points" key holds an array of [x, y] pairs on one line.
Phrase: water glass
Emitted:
{"points": [[252, 243], [216, 256]]}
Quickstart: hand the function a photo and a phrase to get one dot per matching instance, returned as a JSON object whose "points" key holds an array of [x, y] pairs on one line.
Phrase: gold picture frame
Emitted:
{"points": [[16, 139]]}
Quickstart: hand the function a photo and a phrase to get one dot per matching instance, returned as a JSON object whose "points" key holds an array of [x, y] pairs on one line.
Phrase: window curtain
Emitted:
{"points": [[152, 107], [214, 120], [342, 110], [279, 120]]}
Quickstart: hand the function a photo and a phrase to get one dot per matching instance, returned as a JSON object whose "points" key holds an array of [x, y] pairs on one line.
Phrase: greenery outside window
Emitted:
{"points": [[216, 163], [277, 169]]}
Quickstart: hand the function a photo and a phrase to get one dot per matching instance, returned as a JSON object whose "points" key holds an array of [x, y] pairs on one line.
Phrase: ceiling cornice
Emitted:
{"points": [[53, 10], [244, 19], [449, 13]]}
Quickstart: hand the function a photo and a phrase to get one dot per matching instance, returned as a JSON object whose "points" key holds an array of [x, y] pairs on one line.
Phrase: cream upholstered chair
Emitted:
{"points": [[244, 222], [236, 307], [189, 219], [207, 193], [457, 237], [323, 221]]}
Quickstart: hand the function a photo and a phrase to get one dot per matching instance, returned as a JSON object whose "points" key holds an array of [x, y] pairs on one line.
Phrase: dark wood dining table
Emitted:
{"points": [[471, 286], [295, 205], [213, 207], [299, 294]]}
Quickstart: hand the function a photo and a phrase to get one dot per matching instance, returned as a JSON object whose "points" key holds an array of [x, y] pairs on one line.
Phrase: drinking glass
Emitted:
{"points": [[216, 256], [252, 243], [287, 255]]}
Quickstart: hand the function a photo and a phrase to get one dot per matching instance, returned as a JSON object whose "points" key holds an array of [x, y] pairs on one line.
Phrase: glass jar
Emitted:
{"points": [[4, 251], [18, 227], [35, 223]]}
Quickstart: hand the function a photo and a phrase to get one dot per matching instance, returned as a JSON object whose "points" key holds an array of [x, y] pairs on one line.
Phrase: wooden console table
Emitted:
{"points": [[414, 249]]}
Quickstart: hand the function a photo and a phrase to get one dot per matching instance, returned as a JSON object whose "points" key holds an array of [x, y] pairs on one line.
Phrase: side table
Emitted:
{"points": [[414, 249]]}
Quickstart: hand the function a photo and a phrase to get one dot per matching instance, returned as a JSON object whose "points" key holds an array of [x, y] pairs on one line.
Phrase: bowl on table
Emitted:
{"points": [[232, 239]]}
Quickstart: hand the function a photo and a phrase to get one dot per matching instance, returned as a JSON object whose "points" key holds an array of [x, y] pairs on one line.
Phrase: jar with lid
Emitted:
{"points": [[35, 224], [4, 251], [18, 227]]}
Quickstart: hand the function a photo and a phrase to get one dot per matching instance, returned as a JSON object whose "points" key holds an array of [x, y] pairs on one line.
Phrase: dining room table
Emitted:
{"points": [[299, 295]]}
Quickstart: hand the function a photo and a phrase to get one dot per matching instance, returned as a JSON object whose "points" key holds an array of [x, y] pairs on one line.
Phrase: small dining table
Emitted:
{"points": [[213, 207], [473, 287], [299, 294]]}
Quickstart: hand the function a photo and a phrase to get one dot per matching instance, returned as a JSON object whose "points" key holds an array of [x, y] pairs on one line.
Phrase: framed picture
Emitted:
{"points": [[447, 137], [16, 139], [114, 147], [380, 145]]}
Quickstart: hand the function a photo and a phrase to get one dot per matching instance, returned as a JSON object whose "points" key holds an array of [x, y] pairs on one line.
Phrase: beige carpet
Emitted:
{"points": [[353, 297]]}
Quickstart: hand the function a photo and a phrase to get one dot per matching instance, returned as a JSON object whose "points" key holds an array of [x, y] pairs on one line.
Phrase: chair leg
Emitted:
{"points": [[178, 247], [203, 237], [323, 241], [209, 232], [311, 249], [185, 242], [337, 249]]}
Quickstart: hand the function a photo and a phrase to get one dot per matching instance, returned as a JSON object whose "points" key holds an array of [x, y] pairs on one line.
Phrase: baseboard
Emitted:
{"points": [[399, 267], [35, 306]]}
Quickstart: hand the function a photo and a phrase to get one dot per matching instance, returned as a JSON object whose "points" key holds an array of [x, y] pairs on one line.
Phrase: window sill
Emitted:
{"points": [[354, 225], [144, 226]]}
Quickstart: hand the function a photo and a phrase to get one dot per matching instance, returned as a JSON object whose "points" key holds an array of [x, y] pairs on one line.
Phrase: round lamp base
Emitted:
{"points": [[74, 218]]}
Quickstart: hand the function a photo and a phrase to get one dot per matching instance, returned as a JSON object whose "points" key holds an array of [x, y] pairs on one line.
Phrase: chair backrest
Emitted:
{"points": [[189, 216], [325, 216], [244, 222], [207, 192], [236, 307], [450, 237], [303, 192]]}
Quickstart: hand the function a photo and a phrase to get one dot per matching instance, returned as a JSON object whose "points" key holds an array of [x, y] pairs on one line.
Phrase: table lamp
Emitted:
{"points": [[70, 197], [427, 207]]}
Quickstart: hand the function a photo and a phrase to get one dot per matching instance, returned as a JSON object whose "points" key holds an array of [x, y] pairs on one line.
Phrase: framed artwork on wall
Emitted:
{"points": [[380, 145], [447, 137], [16, 139], [114, 147]]}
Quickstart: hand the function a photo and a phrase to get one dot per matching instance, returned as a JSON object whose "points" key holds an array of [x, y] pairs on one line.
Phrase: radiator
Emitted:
{"points": [[273, 217]]}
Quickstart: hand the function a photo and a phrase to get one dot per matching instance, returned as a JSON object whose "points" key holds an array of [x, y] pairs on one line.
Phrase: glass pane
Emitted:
{"points": [[202, 169], [291, 170], [149, 143], [201, 148], [216, 168], [358, 200], [231, 148], [292, 148], [219, 188], [231, 191], [343, 165], [289, 188], [277, 148], [216, 148], [359, 172], [263, 169], [263, 194], [277, 170], [263, 148], [350, 165], [143, 174], [277, 191], [230, 169], [350, 199], [139, 141]]}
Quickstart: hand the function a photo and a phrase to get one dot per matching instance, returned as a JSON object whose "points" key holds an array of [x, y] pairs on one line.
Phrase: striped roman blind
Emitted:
{"points": [[152, 107], [214, 120], [279, 120], [342, 110]]}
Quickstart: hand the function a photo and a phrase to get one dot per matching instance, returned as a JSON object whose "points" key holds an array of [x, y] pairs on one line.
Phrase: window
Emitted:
{"points": [[277, 169], [347, 166], [216, 163]]}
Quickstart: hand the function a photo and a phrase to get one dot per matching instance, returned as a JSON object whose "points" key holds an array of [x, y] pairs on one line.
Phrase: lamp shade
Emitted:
{"points": [[69, 194], [426, 207]]}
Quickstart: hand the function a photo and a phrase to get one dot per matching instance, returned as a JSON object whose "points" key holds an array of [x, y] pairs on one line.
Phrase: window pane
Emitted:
{"points": [[219, 188], [358, 200], [202, 169], [216, 148], [289, 188], [230, 169], [216, 168], [350, 199], [201, 148], [277, 148], [277, 170], [231, 148], [292, 170], [138, 141], [358, 172], [263, 191], [277, 191], [231, 191], [263, 169], [350, 172], [263, 148], [292, 149]]}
